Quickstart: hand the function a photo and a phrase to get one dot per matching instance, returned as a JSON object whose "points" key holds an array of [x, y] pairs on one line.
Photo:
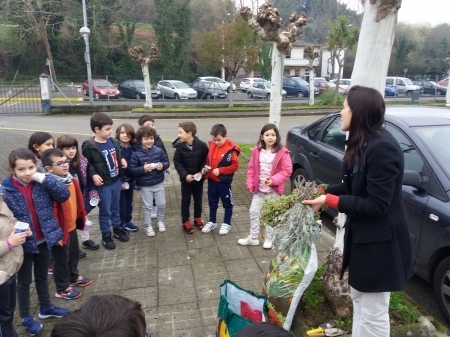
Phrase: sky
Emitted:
{"points": [[432, 12]]}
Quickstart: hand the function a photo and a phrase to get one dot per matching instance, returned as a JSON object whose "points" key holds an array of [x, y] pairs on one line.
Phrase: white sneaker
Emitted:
{"points": [[267, 244], [248, 241], [149, 231], [224, 229], [153, 214], [161, 226], [210, 226]]}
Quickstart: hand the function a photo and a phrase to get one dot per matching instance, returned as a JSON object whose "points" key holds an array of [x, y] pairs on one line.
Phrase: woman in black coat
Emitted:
{"points": [[377, 246]]}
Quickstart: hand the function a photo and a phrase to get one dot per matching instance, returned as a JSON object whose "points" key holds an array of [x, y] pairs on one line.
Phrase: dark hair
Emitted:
{"points": [[188, 127], [69, 141], [129, 131], [145, 118], [21, 153], [277, 146], [145, 131], [367, 106], [263, 329], [99, 120], [38, 138], [48, 155], [218, 129], [103, 316]]}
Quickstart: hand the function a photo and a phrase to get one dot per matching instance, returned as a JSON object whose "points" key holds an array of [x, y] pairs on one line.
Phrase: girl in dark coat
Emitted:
{"points": [[377, 247]]}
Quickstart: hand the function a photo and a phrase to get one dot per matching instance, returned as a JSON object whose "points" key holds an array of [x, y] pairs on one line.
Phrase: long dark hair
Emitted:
{"points": [[277, 146], [38, 138], [69, 141], [367, 106]]}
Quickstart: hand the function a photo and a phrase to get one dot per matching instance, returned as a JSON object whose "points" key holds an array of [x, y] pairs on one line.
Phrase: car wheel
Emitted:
{"points": [[96, 96], [268, 96], [243, 90], [138, 96], [300, 94], [176, 96], [440, 93], [228, 89], [299, 178], [409, 93], [208, 97], [249, 94], [441, 286], [85, 93]]}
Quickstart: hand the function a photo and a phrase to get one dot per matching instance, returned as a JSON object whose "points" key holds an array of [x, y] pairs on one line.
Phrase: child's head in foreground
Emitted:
{"points": [[39, 142], [69, 146], [219, 134], [22, 164], [146, 136], [187, 131], [146, 120], [101, 125], [269, 138], [55, 162]]}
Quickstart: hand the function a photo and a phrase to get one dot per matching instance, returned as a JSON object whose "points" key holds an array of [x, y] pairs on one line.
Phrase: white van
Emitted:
{"points": [[404, 85]]}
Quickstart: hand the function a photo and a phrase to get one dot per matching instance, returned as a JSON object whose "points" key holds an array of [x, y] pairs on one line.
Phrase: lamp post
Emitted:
{"points": [[405, 71], [85, 32]]}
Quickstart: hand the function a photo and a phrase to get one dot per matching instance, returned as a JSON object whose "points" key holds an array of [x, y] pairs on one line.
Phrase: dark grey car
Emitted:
{"points": [[317, 152]]}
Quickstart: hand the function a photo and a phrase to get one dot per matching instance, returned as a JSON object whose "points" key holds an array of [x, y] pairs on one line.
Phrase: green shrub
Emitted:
{"points": [[245, 149], [326, 98]]}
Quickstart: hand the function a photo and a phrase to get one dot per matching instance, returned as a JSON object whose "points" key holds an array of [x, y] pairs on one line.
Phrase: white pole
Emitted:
{"points": [[277, 85]]}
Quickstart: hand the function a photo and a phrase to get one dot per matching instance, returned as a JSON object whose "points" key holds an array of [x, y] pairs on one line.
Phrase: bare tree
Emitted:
{"points": [[268, 26], [144, 58], [312, 55]]}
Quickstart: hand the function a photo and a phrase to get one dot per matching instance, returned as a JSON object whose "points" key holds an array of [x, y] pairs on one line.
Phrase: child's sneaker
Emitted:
{"points": [[188, 228], [267, 244], [248, 241], [131, 227], [107, 241], [199, 223], [81, 255], [68, 294], [52, 311], [31, 325], [81, 281], [210, 226], [224, 229], [89, 244], [50, 271], [120, 234], [149, 231], [161, 226]]}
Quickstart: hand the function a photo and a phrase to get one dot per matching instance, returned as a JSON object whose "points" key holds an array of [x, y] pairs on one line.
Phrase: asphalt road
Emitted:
{"points": [[240, 130]]}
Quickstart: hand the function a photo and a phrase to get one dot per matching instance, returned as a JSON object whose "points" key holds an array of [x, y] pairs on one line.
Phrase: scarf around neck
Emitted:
{"points": [[67, 180]]}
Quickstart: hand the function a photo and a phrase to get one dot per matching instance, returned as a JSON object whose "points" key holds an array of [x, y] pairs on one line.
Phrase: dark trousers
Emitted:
{"points": [[109, 206], [24, 278], [220, 191], [196, 192], [7, 306], [126, 205], [65, 262]]}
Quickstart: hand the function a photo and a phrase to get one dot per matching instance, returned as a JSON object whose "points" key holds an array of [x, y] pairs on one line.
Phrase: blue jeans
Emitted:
{"points": [[126, 205], [220, 191], [109, 206]]}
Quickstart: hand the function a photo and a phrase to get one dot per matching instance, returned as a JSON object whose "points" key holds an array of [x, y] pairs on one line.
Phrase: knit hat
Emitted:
{"points": [[263, 330]]}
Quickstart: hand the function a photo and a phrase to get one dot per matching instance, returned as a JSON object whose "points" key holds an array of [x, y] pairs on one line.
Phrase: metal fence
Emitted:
{"points": [[20, 98]]}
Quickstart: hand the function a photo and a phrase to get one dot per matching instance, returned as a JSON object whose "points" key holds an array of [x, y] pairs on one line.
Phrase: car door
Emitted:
{"points": [[132, 89], [428, 88], [401, 86], [123, 88], [287, 86], [257, 89], [415, 200]]}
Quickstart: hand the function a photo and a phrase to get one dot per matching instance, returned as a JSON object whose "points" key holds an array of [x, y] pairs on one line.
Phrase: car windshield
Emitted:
{"points": [[433, 83], [103, 84], [302, 82], [268, 85], [437, 138], [408, 81], [180, 85], [210, 85]]}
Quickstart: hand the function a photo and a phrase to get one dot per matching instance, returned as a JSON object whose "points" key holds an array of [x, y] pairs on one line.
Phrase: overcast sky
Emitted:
{"points": [[419, 11]]}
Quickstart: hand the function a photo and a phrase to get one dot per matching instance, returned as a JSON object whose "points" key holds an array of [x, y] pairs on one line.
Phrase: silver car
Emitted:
{"points": [[261, 89], [176, 90]]}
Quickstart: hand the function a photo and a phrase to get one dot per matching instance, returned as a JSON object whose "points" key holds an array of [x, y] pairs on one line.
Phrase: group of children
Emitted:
{"points": [[53, 189]]}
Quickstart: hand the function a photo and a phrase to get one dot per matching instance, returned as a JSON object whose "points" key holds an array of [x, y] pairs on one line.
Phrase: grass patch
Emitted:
{"points": [[399, 309], [313, 296], [326, 98], [143, 25], [245, 149]]}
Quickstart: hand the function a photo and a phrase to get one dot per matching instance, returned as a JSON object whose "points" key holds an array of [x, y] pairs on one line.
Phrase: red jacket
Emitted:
{"points": [[60, 210], [226, 161]]}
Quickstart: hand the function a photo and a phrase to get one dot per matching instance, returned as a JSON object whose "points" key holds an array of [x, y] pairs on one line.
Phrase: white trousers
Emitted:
{"points": [[370, 314], [255, 211]]}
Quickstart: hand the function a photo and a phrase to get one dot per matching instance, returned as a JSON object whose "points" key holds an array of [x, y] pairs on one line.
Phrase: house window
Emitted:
{"points": [[297, 72], [288, 55]]}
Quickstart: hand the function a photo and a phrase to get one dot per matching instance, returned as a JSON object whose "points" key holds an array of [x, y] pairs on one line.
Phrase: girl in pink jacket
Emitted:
{"points": [[270, 166]]}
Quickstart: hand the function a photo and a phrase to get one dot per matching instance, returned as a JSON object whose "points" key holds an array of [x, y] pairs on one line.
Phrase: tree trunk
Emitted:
{"points": [[230, 93], [374, 48], [336, 90], [311, 86], [47, 47], [148, 89], [277, 85]]}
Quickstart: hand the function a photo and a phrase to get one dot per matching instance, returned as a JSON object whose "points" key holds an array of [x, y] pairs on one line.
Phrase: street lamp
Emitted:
{"points": [[405, 71], [84, 31]]}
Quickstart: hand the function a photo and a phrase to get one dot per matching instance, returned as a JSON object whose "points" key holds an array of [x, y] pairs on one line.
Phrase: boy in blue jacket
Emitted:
{"points": [[148, 164]]}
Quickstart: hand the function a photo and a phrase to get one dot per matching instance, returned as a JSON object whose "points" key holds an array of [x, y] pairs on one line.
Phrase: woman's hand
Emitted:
{"points": [[16, 239], [316, 204]]}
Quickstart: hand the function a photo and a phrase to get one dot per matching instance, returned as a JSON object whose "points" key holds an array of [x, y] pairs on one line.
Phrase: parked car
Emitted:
{"points": [[324, 86], [208, 90], [423, 133], [431, 88], [176, 89], [404, 85], [224, 85], [248, 81], [101, 88], [136, 89], [343, 83], [261, 89], [389, 91], [297, 87], [443, 83]]}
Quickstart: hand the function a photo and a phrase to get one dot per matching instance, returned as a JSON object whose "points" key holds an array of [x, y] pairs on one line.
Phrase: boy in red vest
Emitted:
{"points": [[223, 162], [70, 215]]}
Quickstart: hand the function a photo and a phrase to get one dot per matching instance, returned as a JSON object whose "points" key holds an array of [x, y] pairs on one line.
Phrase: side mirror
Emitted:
{"points": [[413, 179]]}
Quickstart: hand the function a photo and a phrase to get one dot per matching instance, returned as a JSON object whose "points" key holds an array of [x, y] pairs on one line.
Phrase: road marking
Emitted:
{"points": [[49, 131]]}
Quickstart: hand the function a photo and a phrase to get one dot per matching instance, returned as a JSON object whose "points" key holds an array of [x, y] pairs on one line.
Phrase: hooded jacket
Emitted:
{"points": [[141, 157], [189, 161], [229, 163], [281, 170], [51, 190]]}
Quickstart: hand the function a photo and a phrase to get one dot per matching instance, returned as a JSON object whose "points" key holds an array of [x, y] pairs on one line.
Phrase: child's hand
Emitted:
{"points": [[16, 239], [29, 232], [268, 182], [98, 181], [159, 166], [147, 167], [38, 177], [216, 172], [59, 243], [124, 163], [122, 188], [189, 178], [250, 190], [168, 170]]}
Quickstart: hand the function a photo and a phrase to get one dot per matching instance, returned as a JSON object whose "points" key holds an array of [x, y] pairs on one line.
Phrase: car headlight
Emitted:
{"points": [[102, 92], [143, 92], [184, 93]]}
